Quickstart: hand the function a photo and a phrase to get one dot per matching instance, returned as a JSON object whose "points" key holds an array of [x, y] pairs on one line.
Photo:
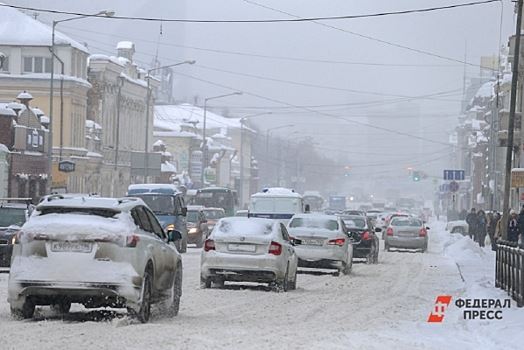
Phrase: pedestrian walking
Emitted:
{"points": [[471, 219], [482, 226], [513, 227], [493, 222]]}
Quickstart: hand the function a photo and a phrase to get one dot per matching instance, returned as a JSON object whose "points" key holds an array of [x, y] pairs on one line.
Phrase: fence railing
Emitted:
{"points": [[509, 270]]}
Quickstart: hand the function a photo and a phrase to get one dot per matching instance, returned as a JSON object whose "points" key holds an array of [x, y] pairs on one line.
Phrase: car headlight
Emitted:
{"points": [[14, 240], [193, 230]]}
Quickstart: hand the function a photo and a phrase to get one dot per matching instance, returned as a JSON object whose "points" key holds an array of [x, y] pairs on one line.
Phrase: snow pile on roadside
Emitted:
{"points": [[464, 250]]}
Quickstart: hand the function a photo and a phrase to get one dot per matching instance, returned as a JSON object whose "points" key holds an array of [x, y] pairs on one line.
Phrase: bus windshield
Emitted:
{"points": [[224, 199]]}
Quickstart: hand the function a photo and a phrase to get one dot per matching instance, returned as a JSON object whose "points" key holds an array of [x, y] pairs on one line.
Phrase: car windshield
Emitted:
{"points": [[327, 224], [401, 221], [355, 222], [245, 227], [160, 205], [12, 216], [214, 214], [192, 216]]}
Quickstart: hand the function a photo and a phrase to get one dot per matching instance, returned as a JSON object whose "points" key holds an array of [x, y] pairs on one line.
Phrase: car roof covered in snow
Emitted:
{"points": [[277, 192], [121, 204], [152, 188]]}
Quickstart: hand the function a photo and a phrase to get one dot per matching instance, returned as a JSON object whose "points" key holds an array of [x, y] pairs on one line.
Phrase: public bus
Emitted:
{"points": [[217, 197], [314, 200]]}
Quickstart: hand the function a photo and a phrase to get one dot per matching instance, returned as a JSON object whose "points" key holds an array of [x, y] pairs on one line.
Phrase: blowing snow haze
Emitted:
{"points": [[344, 67]]}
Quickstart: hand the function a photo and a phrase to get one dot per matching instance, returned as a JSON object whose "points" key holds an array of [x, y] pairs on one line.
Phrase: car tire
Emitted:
{"points": [[177, 292], [205, 283], [144, 311], [62, 308], [293, 284], [27, 311], [282, 285]]}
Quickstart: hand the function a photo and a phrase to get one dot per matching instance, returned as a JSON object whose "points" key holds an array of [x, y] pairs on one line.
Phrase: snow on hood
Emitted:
{"points": [[70, 226]]}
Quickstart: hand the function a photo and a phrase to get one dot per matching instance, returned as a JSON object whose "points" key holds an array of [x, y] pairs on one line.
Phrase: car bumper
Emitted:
{"points": [[407, 242], [44, 282], [242, 268], [325, 256]]}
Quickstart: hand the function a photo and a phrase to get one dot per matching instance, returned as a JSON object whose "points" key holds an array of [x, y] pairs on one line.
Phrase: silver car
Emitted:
{"points": [[249, 250], [97, 252], [407, 233], [323, 242]]}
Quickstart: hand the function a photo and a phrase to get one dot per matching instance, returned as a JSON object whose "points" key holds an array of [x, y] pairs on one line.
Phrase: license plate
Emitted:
{"points": [[312, 241], [242, 248], [71, 247]]}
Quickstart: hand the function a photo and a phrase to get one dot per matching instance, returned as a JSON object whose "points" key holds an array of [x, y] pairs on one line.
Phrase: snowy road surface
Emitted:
{"points": [[377, 307]]}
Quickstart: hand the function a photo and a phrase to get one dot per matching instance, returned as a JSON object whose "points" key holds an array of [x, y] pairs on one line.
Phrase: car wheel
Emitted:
{"points": [[63, 307], [293, 283], [205, 283], [27, 311], [282, 285], [144, 311], [177, 292]]}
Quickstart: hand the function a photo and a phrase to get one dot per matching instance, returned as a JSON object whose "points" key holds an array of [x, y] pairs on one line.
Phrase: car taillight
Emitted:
{"points": [[366, 236], [339, 241], [422, 232], [389, 231], [132, 241], [275, 248], [209, 245]]}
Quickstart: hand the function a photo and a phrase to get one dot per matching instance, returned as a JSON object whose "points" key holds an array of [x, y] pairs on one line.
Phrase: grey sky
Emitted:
{"points": [[444, 33]]}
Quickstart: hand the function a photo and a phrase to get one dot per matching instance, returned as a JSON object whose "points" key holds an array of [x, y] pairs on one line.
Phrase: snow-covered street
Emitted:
{"points": [[376, 307]]}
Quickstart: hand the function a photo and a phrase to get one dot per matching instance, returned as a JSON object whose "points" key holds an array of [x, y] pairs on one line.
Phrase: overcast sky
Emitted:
{"points": [[396, 72]]}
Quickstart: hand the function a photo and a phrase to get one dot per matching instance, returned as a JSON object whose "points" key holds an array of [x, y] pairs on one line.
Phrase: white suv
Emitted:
{"points": [[97, 252]]}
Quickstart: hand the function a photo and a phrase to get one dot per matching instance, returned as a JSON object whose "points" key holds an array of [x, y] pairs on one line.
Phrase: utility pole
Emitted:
{"points": [[511, 122]]}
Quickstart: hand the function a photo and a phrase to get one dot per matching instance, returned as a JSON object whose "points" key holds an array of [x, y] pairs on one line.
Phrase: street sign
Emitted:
{"points": [[454, 186], [456, 175], [66, 166], [517, 178]]}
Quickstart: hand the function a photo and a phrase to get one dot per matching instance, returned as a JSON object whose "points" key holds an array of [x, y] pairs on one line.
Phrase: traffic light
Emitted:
{"points": [[416, 176]]}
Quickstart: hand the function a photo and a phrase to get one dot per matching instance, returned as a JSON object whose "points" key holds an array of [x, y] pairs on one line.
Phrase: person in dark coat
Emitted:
{"points": [[513, 227], [493, 219], [482, 226], [521, 222], [471, 219]]}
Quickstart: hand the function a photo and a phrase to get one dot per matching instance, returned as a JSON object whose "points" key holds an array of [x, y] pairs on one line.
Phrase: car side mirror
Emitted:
{"points": [[378, 229], [173, 236]]}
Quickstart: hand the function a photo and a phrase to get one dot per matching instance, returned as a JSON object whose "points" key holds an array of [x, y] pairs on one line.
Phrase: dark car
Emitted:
{"points": [[12, 216], [365, 241], [212, 216], [197, 230]]}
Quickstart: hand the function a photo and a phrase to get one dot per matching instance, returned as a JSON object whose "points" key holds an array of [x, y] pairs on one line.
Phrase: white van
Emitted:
{"points": [[276, 203]]}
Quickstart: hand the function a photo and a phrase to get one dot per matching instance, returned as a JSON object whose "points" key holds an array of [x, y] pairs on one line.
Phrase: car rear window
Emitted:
{"points": [[406, 222], [355, 222], [327, 224], [103, 212], [246, 227]]}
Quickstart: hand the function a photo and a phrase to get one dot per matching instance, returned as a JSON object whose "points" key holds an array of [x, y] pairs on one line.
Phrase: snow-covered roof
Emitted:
{"points": [[91, 124], [170, 117], [46, 76], [19, 29], [125, 45], [44, 119], [168, 167], [174, 134], [277, 192], [159, 143], [3, 148], [37, 111], [4, 110]]}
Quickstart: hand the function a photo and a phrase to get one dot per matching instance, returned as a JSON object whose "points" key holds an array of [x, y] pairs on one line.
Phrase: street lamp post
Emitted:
{"points": [[148, 101], [204, 144], [104, 13]]}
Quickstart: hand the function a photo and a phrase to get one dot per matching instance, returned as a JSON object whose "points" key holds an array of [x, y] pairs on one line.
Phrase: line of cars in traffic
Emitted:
{"points": [[126, 252]]}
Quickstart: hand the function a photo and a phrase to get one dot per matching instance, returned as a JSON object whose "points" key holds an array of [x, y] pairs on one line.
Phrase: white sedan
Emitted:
{"points": [[324, 242], [249, 250]]}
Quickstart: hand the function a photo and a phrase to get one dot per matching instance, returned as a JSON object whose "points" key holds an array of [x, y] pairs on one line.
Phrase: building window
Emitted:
{"points": [[37, 65], [5, 65]]}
